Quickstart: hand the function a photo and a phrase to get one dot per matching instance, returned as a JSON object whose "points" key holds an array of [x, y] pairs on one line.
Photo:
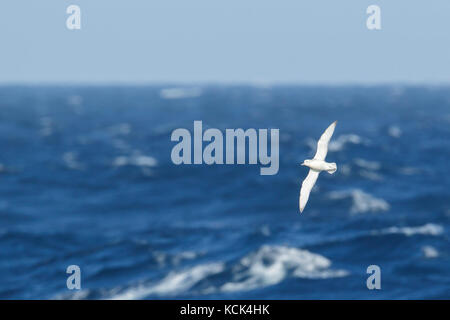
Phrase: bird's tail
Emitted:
{"points": [[333, 168]]}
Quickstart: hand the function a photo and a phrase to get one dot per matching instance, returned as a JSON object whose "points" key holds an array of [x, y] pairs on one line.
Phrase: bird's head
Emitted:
{"points": [[305, 163]]}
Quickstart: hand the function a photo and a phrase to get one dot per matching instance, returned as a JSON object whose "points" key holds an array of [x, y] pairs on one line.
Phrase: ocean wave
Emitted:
{"points": [[339, 143], [121, 129], [409, 171], [268, 266], [173, 283], [364, 168], [180, 93], [162, 258], [47, 127], [272, 264], [371, 175], [394, 131], [75, 100], [361, 202], [71, 161], [345, 169], [265, 231], [74, 295], [430, 252], [427, 229], [369, 165], [136, 159]]}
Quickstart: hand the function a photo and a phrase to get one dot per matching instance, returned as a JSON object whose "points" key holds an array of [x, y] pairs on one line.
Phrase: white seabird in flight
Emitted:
{"points": [[316, 165]]}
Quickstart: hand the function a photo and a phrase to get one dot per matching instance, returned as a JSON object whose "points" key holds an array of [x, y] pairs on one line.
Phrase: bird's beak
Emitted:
{"points": [[302, 164]]}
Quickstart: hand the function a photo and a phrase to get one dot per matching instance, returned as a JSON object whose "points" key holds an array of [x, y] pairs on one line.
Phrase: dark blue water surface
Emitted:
{"points": [[86, 178]]}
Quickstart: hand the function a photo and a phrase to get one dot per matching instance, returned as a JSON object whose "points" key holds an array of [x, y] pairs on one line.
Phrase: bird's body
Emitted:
{"points": [[316, 165], [320, 165]]}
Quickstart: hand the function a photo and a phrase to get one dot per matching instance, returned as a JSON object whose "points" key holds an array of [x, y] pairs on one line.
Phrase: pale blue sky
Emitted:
{"points": [[282, 41]]}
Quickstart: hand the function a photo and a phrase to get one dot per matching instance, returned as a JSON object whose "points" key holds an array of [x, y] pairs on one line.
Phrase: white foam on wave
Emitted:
{"points": [[339, 143], [371, 175], [180, 93], [163, 258], [272, 264], [361, 202], [394, 131], [345, 169], [430, 252], [409, 171], [185, 255], [367, 169], [136, 159], [268, 266], [173, 283], [121, 129], [427, 229], [47, 126], [265, 231], [369, 165], [82, 294], [75, 100], [71, 161], [144, 161]]}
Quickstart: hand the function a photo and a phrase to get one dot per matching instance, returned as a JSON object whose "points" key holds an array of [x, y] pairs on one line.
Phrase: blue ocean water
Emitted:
{"points": [[86, 179]]}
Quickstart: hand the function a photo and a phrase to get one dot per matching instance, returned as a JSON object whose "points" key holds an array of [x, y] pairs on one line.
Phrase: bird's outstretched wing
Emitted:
{"points": [[307, 185], [322, 144]]}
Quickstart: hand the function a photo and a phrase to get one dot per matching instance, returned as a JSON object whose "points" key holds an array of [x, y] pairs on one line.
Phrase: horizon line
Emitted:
{"points": [[256, 83]]}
